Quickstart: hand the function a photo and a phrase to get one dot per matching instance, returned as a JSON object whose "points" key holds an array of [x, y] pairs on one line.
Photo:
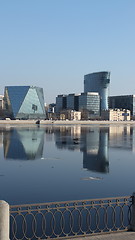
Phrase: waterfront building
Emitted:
{"points": [[2, 113], [70, 115], [51, 107], [61, 102], [24, 102], [75, 115], [89, 104], [123, 102], [73, 101], [50, 111], [98, 82], [116, 115], [1, 101]]}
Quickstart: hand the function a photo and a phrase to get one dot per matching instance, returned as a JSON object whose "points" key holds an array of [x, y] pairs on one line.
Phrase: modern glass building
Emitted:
{"points": [[123, 102], [73, 101], [24, 102], [90, 101], [98, 82], [61, 103]]}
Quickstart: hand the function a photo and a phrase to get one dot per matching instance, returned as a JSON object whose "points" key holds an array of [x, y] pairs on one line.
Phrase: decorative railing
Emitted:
{"points": [[73, 218]]}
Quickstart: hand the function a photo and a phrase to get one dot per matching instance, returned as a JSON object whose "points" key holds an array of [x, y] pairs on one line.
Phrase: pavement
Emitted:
{"points": [[111, 236], [63, 122]]}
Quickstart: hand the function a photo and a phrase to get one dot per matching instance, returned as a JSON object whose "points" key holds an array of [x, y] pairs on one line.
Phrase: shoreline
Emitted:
{"points": [[63, 122]]}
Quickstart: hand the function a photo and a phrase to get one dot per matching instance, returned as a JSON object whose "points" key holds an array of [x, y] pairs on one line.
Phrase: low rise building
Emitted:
{"points": [[1, 101], [70, 115], [116, 115], [123, 102], [50, 111], [75, 115], [2, 110]]}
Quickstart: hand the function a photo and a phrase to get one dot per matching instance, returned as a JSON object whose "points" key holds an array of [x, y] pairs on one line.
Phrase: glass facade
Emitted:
{"points": [[123, 102], [61, 103], [91, 102], [72, 101], [98, 82], [24, 102]]}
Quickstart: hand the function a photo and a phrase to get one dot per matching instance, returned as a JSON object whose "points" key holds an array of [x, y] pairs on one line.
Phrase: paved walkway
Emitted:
{"points": [[112, 236]]}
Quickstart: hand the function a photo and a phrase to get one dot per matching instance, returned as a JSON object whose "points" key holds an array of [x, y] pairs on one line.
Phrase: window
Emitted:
{"points": [[34, 107]]}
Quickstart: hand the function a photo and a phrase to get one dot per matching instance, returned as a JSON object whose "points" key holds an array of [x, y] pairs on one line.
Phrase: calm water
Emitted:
{"points": [[66, 163]]}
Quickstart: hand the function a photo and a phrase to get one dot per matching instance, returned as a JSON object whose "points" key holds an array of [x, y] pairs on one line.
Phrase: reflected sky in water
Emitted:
{"points": [[39, 164]]}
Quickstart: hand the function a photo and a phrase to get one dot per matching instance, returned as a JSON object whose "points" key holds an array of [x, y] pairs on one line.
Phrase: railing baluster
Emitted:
{"points": [[71, 218]]}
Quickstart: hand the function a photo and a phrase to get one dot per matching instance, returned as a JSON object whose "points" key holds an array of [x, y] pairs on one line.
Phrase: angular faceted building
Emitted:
{"points": [[24, 102], [98, 82]]}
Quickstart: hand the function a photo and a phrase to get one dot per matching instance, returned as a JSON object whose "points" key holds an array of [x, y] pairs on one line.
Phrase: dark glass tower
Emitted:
{"points": [[98, 82]]}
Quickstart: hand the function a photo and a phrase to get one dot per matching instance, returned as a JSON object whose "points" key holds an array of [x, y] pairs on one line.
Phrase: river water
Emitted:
{"points": [[41, 164]]}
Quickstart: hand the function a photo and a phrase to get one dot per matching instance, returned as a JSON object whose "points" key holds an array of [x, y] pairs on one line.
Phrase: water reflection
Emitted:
{"points": [[68, 137], [93, 142], [96, 157], [122, 136], [1, 137], [62, 154], [23, 144]]}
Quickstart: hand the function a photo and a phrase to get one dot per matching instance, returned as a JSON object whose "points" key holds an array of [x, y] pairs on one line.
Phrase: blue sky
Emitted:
{"points": [[54, 43]]}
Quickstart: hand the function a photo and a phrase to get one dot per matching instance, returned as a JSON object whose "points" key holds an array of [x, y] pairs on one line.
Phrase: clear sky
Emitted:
{"points": [[54, 43]]}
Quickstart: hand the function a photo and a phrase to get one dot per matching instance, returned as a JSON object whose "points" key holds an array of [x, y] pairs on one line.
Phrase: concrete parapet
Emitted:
{"points": [[4, 220]]}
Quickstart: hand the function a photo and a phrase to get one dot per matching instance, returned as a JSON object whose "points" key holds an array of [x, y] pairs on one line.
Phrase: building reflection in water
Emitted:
{"points": [[122, 136], [68, 137], [95, 156], [23, 144], [1, 137], [93, 142]]}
